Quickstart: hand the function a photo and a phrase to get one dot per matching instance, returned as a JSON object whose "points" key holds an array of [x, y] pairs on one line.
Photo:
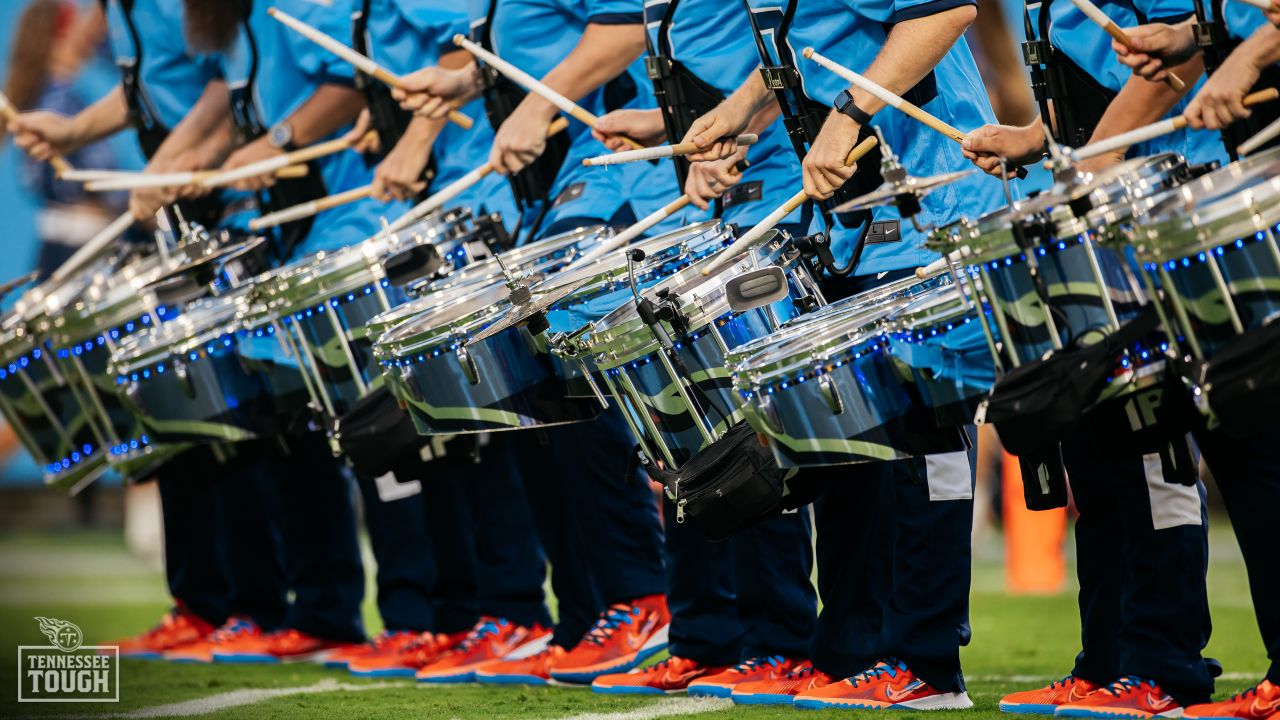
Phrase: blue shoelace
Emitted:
{"points": [[613, 618]]}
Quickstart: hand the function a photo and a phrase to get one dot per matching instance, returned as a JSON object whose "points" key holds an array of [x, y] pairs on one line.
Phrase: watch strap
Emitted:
{"points": [[845, 105]]}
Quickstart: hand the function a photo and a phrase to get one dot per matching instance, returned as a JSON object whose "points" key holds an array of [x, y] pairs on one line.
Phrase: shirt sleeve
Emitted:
{"points": [[1164, 11], [896, 11], [615, 12], [438, 25], [312, 60]]}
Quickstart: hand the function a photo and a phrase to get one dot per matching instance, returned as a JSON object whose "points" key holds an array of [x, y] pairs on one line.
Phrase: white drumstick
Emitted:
{"points": [[1156, 129], [1100, 18], [642, 226], [93, 248], [91, 175], [363, 63], [662, 151], [297, 157], [533, 85], [1266, 135], [942, 263], [144, 180], [753, 236], [305, 210]]}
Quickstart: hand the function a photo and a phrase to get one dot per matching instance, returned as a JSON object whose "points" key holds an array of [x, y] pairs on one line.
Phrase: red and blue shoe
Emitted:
{"points": [[178, 627], [668, 677], [1046, 700], [1260, 702], [758, 669], [888, 684], [407, 660], [387, 642], [234, 633], [1128, 697], [624, 637], [282, 646], [532, 670], [783, 690], [491, 640]]}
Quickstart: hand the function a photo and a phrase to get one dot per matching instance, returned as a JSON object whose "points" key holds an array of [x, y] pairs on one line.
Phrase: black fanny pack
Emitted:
{"points": [[728, 486], [377, 435], [1242, 381]]}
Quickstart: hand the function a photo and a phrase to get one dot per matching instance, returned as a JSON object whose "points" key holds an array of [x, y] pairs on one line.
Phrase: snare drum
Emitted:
{"points": [[679, 399], [325, 301]]}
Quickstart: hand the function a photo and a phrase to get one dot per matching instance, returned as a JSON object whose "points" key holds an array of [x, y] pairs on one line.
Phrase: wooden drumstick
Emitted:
{"points": [[10, 113], [661, 151], [891, 99], [457, 187], [753, 236], [363, 63], [1100, 19], [639, 228], [297, 157], [144, 180], [942, 263], [305, 210], [1156, 129], [535, 86]]}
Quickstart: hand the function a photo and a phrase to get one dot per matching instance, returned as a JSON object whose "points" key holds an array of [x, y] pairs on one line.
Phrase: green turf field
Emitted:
{"points": [[91, 580]]}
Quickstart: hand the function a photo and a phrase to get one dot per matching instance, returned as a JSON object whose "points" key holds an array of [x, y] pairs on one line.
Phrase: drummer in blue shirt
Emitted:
{"points": [[593, 510], [892, 526], [219, 562], [747, 604]]}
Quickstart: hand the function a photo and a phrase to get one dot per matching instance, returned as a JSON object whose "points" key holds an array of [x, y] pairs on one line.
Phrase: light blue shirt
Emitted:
{"points": [[712, 39], [408, 35], [290, 70], [1089, 47], [851, 32]]}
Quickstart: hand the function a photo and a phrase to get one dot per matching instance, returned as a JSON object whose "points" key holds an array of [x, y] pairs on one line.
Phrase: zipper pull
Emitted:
{"points": [[680, 511], [980, 417]]}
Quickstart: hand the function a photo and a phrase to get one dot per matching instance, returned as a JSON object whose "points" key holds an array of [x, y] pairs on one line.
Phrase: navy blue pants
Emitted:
{"points": [[223, 554], [418, 522], [318, 525], [596, 517], [749, 596], [894, 566], [1247, 472], [1141, 557]]}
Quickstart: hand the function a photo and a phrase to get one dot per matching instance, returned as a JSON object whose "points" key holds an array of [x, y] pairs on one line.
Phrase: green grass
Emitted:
{"points": [[1017, 641]]}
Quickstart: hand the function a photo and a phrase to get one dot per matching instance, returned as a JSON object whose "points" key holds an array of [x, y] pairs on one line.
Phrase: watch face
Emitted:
{"points": [[281, 135]]}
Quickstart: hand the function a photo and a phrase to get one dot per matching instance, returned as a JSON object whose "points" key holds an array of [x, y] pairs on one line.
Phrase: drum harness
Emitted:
{"points": [[532, 185], [803, 119]]}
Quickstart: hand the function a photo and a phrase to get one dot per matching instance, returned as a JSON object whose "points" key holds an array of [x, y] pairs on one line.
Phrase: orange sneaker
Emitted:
{"points": [[626, 635], [1045, 700], [1128, 697], [234, 633], [757, 669], [491, 640], [888, 684], [405, 661], [1258, 702], [281, 646], [782, 691], [387, 642], [532, 670], [178, 627], [668, 677]]}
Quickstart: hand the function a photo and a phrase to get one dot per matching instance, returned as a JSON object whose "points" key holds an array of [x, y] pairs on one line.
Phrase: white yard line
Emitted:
{"points": [[228, 700], [676, 706], [1225, 677]]}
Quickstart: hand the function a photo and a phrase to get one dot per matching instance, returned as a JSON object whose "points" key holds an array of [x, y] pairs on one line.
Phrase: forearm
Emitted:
{"points": [[754, 98], [766, 111], [421, 133], [205, 132], [104, 118], [1141, 102], [911, 51], [1263, 47], [602, 54], [329, 109]]}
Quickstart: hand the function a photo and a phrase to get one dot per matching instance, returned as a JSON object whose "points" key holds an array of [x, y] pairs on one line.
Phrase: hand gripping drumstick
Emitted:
{"points": [[457, 187], [297, 157], [144, 180], [533, 85], [661, 151], [307, 209], [1156, 129], [751, 237], [1101, 20], [10, 113], [363, 63], [891, 99]]}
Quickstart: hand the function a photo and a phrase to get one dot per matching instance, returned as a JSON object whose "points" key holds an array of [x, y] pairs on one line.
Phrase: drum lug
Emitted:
{"points": [[468, 365], [769, 416], [184, 378], [406, 382], [831, 393]]}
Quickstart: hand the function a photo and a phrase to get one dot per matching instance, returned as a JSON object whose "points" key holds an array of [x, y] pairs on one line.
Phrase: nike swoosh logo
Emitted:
{"points": [[880, 276], [1159, 704], [897, 695]]}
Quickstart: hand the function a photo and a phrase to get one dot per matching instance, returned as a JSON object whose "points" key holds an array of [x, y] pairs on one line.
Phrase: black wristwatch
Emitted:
{"points": [[844, 105]]}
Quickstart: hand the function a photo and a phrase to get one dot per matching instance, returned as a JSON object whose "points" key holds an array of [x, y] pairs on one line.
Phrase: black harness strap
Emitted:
{"points": [[1064, 91], [142, 114]]}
